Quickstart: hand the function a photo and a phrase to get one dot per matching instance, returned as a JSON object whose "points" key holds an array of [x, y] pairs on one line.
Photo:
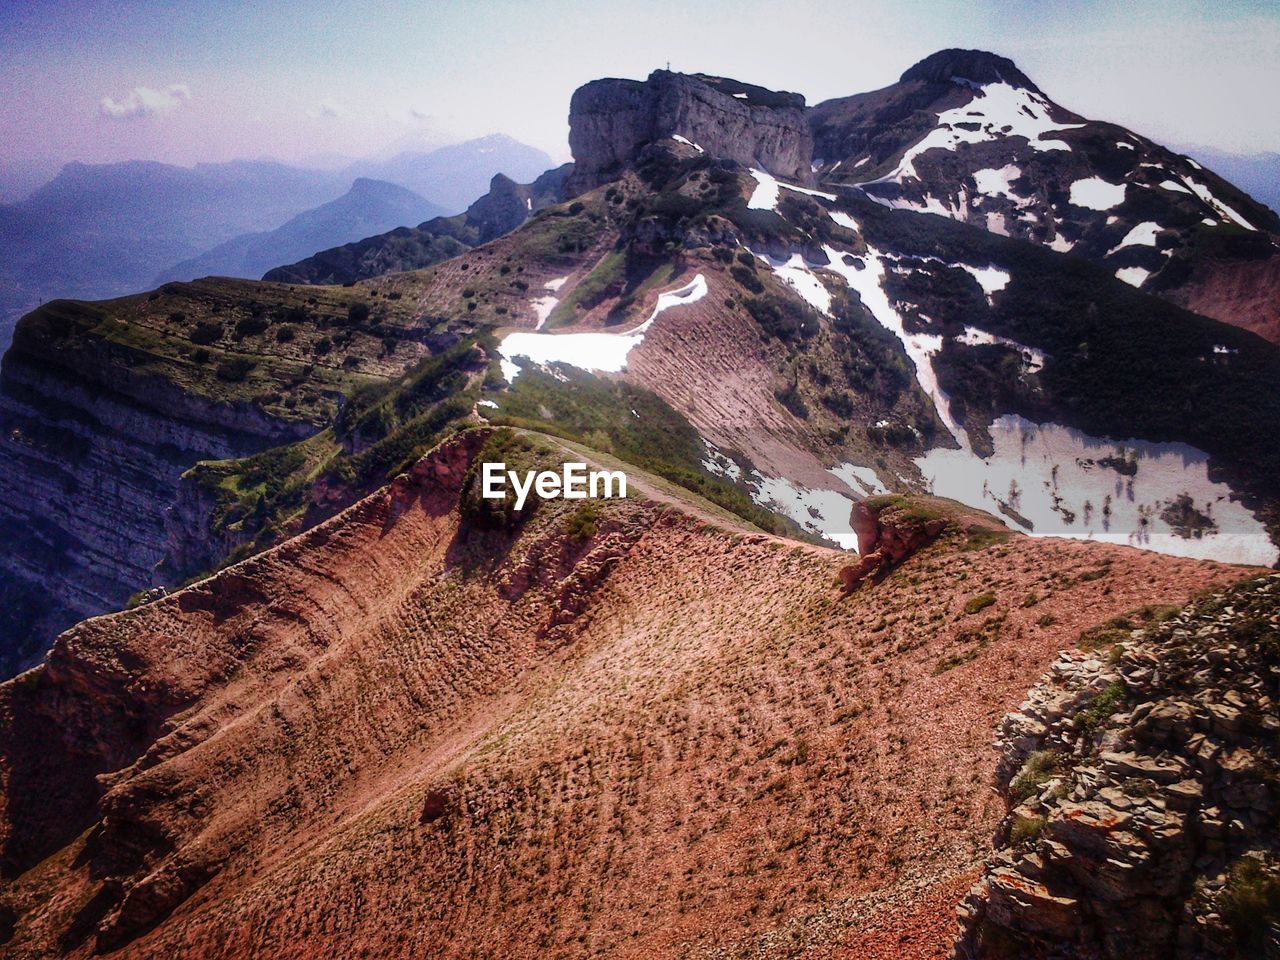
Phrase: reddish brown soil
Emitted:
{"points": [[1243, 293], [400, 736]]}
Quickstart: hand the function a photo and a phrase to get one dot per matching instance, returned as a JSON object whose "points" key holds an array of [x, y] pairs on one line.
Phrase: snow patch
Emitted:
{"points": [[687, 142], [1134, 276], [592, 351], [1061, 244], [1094, 193], [998, 182], [866, 275], [1143, 235], [765, 195], [1033, 357], [555, 285], [1051, 480], [486, 403], [997, 110], [824, 512], [862, 479]]}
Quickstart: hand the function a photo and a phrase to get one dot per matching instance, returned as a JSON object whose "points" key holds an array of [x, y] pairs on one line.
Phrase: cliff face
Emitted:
{"points": [[610, 120], [90, 457]]}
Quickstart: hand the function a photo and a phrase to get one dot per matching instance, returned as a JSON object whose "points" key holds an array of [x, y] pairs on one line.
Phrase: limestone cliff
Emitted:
{"points": [[611, 120]]}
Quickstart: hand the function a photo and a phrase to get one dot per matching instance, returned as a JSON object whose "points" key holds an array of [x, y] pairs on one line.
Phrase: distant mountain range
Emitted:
{"points": [[369, 207], [105, 230]]}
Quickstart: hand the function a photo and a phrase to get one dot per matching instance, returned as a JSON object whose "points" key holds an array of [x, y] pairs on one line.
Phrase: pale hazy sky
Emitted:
{"points": [[188, 81]]}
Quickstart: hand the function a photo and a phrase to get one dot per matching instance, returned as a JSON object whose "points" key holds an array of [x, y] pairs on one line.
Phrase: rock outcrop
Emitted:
{"points": [[611, 120], [1143, 786], [889, 531]]}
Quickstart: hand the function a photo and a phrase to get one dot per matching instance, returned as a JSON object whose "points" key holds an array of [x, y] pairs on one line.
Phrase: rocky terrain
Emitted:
{"points": [[640, 728], [1143, 780]]}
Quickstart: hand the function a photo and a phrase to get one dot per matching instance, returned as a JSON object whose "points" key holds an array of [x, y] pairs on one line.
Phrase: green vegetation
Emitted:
{"points": [[1041, 767], [632, 423], [1250, 906], [1026, 830], [979, 603], [1101, 707]]}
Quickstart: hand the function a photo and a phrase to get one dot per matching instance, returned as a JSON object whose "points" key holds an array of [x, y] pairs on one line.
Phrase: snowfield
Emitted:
{"points": [[1143, 235], [823, 512], [591, 351], [1051, 480]]}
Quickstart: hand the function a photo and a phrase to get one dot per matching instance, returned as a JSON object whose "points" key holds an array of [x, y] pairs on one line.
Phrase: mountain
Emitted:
{"points": [[106, 230], [452, 176], [102, 230], [813, 348], [426, 728], [1257, 174], [387, 715], [369, 207], [967, 135], [504, 207]]}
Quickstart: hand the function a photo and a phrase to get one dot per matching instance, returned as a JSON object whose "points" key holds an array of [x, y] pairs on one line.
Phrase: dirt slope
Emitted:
{"points": [[412, 733]]}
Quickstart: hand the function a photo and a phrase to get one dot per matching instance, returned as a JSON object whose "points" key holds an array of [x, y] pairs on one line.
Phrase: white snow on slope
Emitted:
{"points": [[1097, 194], [862, 479], [555, 285], [1205, 194], [997, 110], [991, 279], [687, 142], [1061, 244], [798, 274], [842, 219], [1059, 482], [998, 182], [1033, 357], [717, 463], [594, 351], [1134, 276], [866, 275], [1174, 185], [1143, 235], [824, 512], [765, 195]]}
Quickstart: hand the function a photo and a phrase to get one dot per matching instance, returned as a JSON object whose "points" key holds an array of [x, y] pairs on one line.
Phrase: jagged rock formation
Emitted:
{"points": [[611, 120], [100, 416], [889, 529], [1143, 783]]}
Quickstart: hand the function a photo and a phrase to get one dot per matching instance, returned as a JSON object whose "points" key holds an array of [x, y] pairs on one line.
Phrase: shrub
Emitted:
{"points": [[358, 313], [206, 332], [979, 603], [234, 369]]}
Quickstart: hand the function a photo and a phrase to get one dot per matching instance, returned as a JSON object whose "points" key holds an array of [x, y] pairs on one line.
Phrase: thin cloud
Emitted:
{"points": [[146, 102]]}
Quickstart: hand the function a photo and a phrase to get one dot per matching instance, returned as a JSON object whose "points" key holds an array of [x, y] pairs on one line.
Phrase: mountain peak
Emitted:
{"points": [[975, 66]]}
